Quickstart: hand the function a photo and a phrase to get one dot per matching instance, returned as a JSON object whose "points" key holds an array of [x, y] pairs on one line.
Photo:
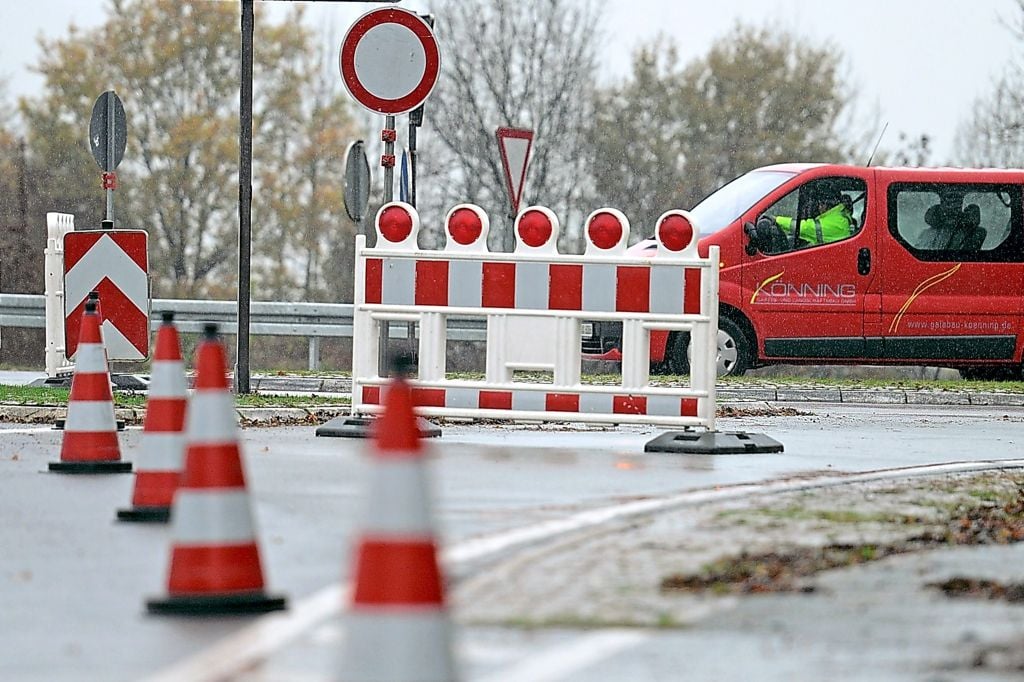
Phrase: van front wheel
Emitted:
{"points": [[733, 356]]}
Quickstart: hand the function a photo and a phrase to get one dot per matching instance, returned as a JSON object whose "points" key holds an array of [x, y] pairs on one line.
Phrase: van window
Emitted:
{"points": [[957, 222], [819, 212]]}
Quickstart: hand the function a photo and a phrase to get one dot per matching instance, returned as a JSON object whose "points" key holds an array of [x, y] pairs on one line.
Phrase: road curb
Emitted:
{"points": [[247, 416]]}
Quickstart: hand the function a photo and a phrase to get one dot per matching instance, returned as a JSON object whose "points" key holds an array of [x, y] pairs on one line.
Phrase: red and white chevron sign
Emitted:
{"points": [[116, 264]]}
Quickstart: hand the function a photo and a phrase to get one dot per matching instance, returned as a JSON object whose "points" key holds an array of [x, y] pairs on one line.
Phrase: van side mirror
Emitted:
{"points": [[753, 241]]}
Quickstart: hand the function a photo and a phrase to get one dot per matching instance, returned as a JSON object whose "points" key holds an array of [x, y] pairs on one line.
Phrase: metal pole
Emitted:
{"points": [[244, 199], [110, 155], [389, 162], [412, 162]]}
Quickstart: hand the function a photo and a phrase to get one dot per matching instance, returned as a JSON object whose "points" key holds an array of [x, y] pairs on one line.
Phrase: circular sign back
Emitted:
{"points": [[389, 60]]}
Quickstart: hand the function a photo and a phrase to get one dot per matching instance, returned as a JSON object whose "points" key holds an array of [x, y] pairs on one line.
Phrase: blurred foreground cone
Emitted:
{"points": [[89, 444], [215, 563], [397, 627], [162, 452]]}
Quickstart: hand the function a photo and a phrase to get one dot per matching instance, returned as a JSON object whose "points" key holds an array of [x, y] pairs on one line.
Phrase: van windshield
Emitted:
{"points": [[727, 203]]}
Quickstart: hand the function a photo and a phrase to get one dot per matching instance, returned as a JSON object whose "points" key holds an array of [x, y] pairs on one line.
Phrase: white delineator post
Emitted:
{"points": [[57, 225]]}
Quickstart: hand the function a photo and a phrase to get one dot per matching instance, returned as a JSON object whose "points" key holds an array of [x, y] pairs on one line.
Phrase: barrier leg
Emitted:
{"points": [[433, 346], [636, 355], [497, 371], [567, 352]]}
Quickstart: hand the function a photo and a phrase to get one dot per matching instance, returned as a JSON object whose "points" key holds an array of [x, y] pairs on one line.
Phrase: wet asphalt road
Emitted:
{"points": [[73, 582]]}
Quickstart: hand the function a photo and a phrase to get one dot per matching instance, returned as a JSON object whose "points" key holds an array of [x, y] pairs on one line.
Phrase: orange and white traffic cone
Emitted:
{"points": [[215, 563], [397, 626], [89, 444], [162, 452]]}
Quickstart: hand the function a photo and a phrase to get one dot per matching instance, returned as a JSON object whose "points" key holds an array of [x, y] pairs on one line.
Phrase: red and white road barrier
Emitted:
{"points": [[89, 444], [162, 451], [397, 624], [215, 561], [57, 225], [534, 301]]}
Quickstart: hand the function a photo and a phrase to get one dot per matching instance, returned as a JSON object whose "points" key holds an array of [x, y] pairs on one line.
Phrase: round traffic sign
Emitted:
{"points": [[389, 60]]}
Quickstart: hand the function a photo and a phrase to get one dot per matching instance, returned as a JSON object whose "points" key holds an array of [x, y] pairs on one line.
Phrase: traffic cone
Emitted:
{"points": [[215, 563], [397, 625], [162, 452], [89, 444]]}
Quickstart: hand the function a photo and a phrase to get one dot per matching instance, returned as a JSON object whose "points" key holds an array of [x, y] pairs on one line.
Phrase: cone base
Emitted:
{"points": [[145, 514], [99, 467], [213, 605]]}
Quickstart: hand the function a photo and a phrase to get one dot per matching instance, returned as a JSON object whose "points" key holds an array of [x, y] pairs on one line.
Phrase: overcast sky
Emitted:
{"points": [[917, 64]]}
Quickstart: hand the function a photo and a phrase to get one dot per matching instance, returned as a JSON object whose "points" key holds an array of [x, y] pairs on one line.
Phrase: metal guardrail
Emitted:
{"points": [[269, 318]]}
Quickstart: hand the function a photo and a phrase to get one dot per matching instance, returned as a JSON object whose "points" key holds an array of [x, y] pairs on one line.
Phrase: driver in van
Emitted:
{"points": [[834, 219]]}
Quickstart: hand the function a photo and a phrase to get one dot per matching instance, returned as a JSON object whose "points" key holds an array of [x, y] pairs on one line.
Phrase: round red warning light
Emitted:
{"points": [[605, 230], [465, 226], [395, 224], [675, 231], [535, 228]]}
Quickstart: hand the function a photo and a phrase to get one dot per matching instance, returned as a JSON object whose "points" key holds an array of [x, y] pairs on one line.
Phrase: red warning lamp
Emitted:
{"points": [[675, 232], [465, 226], [395, 224], [535, 228], [605, 230]]}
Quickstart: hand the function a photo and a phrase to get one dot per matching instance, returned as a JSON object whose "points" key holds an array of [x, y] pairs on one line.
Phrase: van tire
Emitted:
{"points": [[735, 350]]}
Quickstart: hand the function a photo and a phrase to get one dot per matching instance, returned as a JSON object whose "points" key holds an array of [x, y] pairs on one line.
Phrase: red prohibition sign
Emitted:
{"points": [[389, 60]]}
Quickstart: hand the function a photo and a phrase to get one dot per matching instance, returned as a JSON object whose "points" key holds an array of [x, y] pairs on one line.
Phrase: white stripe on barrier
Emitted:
{"points": [[666, 290], [529, 401], [398, 281], [90, 415], [465, 398], [161, 452], [532, 286], [400, 498], [211, 417], [599, 287], [465, 284], [596, 402], [210, 517], [167, 379], [90, 358], [659, 405], [369, 648]]}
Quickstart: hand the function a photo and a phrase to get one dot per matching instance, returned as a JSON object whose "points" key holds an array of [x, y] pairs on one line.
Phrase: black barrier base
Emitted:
{"points": [[103, 467], [58, 424], [359, 427], [713, 443], [145, 514], [215, 605]]}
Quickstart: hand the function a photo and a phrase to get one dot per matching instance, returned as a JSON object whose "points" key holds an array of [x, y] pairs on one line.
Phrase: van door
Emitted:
{"points": [[951, 273], [806, 290]]}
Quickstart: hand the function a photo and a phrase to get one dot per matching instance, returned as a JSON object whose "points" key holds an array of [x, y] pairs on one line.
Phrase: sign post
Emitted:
{"points": [[514, 144], [389, 63], [108, 137]]}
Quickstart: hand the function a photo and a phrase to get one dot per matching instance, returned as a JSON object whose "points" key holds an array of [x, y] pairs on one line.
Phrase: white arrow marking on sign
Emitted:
{"points": [[105, 259], [117, 344]]}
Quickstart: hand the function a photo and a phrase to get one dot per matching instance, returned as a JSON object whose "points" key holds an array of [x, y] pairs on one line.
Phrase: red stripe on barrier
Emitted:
{"points": [[495, 400], [371, 395], [428, 397], [688, 408], [374, 280], [155, 488], [91, 386], [90, 446], [499, 285], [164, 415], [213, 466], [562, 402], [396, 572], [199, 570], [691, 291], [431, 282], [565, 291], [632, 289], [629, 404]]}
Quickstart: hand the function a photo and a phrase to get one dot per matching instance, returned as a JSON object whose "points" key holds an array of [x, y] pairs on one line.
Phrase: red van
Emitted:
{"points": [[929, 271]]}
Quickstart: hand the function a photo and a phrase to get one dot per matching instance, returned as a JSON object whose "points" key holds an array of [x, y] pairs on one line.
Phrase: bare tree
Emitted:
{"points": [[528, 64]]}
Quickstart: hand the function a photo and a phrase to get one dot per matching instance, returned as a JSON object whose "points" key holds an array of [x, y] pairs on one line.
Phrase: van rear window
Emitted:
{"points": [[957, 221]]}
